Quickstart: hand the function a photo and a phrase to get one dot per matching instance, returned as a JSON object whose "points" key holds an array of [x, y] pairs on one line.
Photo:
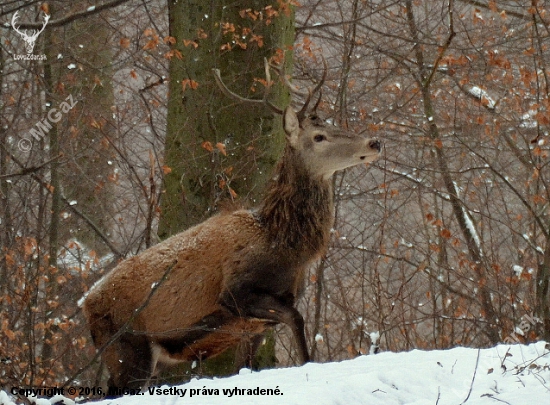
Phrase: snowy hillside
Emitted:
{"points": [[506, 374]]}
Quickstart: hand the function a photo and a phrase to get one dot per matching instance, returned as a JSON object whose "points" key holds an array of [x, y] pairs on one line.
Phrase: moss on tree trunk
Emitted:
{"points": [[221, 152], [200, 117]]}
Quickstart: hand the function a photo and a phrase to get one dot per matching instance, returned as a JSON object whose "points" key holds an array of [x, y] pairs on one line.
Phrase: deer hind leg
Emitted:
{"points": [[246, 351], [265, 306], [136, 360], [199, 330], [128, 358]]}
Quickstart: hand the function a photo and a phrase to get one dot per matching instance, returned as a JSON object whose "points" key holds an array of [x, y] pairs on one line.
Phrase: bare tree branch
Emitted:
{"points": [[72, 17], [485, 5], [28, 170], [124, 327], [69, 205]]}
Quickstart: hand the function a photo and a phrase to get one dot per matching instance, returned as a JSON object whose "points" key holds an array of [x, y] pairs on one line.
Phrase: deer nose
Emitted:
{"points": [[375, 144]]}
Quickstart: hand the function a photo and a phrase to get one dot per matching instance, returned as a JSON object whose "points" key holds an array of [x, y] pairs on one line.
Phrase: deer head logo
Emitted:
{"points": [[30, 38]]}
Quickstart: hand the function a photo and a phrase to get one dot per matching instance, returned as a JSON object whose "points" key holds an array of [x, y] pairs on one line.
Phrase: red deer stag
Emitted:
{"points": [[236, 274]]}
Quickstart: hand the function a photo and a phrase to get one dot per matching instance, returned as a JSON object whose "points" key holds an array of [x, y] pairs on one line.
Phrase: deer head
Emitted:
{"points": [[322, 147], [30, 38]]}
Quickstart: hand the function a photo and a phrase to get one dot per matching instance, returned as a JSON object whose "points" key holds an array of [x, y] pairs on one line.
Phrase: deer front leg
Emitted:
{"points": [[265, 306], [195, 332]]}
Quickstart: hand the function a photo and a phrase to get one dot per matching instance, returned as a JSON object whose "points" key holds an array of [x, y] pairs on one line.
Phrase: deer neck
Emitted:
{"points": [[297, 210]]}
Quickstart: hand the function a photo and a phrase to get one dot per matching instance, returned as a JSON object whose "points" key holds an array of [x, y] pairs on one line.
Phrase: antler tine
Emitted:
{"points": [[225, 90], [303, 111], [13, 22], [281, 73], [268, 80], [307, 94], [318, 101], [267, 91], [323, 78], [46, 19]]}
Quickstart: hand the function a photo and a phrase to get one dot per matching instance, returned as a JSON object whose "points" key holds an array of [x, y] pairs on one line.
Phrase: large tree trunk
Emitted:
{"points": [[77, 146], [220, 152], [200, 116]]}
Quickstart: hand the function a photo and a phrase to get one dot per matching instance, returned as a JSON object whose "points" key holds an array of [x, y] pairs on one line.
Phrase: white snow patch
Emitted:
{"points": [[468, 221], [482, 96], [417, 377], [472, 229], [80, 302], [528, 120], [517, 269], [527, 239], [477, 14], [40, 401], [5, 399], [245, 371], [77, 257], [374, 337]]}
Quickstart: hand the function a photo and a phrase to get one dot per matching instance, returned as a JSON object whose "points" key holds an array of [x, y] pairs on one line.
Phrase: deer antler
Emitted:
{"points": [[310, 92], [46, 19], [307, 94], [281, 73], [13, 22], [236, 97]]}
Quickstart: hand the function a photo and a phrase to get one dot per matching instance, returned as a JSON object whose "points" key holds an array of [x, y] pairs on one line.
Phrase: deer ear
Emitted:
{"points": [[291, 125]]}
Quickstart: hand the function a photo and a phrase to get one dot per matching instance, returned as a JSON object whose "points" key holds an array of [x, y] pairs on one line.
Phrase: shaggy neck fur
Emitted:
{"points": [[297, 211]]}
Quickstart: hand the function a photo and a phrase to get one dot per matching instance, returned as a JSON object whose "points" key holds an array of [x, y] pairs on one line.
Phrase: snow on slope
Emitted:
{"points": [[506, 374]]}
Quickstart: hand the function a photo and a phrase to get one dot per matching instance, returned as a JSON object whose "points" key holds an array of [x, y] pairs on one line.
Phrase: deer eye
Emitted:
{"points": [[319, 138]]}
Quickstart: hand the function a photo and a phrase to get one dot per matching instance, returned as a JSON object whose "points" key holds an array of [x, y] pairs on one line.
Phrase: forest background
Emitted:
{"points": [[445, 241]]}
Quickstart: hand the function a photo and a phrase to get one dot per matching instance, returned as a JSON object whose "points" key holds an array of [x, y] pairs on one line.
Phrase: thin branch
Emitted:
{"points": [[70, 206], [160, 81], [124, 327], [473, 379], [485, 5], [72, 17], [443, 49], [28, 170]]}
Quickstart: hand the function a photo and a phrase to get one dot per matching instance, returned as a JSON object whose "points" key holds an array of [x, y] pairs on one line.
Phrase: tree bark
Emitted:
{"points": [[220, 152], [201, 180]]}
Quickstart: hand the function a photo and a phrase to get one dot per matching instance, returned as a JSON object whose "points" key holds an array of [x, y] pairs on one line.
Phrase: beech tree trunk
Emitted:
{"points": [[220, 153], [246, 139]]}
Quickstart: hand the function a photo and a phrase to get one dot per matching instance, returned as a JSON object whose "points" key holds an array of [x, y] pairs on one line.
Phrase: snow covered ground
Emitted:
{"points": [[506, 374]]}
